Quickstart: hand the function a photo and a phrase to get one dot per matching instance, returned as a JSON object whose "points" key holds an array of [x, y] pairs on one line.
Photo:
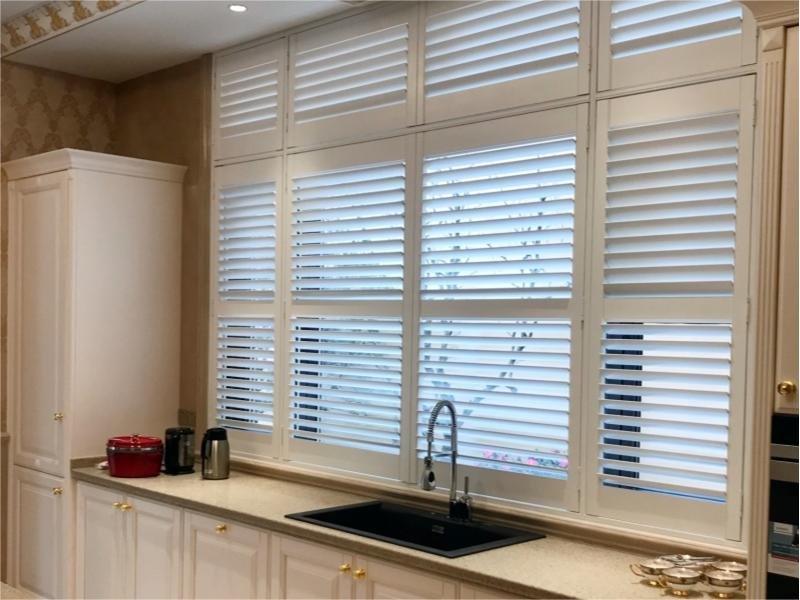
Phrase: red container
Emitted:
{"points": [[134, 455]]}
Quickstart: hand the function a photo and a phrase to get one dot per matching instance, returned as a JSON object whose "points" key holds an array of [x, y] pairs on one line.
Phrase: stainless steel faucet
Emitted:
{"points": [[460, 508]]}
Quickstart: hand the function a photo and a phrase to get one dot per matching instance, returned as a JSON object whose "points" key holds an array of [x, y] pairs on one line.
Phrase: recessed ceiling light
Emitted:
{"points": [[238, 8]]}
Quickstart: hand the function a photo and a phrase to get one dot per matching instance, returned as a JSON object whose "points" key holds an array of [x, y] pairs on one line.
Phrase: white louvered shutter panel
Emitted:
{"points": [[664, 405], [351, 76], [671, 191], [674, 37], [246, 241], [496, 54], [509, 382], [347, 233], [498, 222], [345, 387], [245, 374], [248, 100]]}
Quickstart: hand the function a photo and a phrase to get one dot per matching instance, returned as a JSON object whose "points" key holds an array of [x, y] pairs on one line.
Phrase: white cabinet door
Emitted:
{"points": [[100, 543], [223, 559], [38, 320], [303, 570], [384, 580], [153, 545], [38, 523]]}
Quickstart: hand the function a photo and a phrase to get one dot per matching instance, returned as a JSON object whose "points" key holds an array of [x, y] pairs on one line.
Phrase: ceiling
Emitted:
{"points": [[156, 34]]}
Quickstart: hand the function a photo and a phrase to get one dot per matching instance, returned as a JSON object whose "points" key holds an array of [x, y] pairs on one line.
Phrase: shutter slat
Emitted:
{"points": [[477, 201], [663, 408], [248, 100], [510, 382], [671, 211], [345, 381], [244, 373]]}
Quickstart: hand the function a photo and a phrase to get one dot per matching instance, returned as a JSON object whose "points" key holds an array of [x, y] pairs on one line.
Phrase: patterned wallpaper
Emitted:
{"points": [[45, 110]]}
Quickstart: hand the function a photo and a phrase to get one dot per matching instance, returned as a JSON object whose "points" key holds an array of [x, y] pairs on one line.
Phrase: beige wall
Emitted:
{"points": [[165, 116], [161, 116]]}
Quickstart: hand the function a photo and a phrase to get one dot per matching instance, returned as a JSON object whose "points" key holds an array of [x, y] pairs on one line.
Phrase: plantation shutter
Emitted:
{"points": [[676, 38], [245, 374], [671, 329], [490, 55], [352, 75], [247, 100], [509, 382], [347, 225], [498, 222]]}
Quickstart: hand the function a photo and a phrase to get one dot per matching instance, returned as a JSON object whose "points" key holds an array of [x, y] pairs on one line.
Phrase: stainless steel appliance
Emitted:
{"points": [[179, 450], [215, 453]]}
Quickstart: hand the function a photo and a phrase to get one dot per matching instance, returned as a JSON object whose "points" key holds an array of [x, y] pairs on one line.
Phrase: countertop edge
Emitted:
{"points": [[352, 542]]}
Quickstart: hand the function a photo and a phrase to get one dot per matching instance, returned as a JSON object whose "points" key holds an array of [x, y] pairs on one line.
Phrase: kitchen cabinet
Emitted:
{"points": [[93, 322], [223, 559], [39, 505], [127, 547], [306, 570], [474, 592]]}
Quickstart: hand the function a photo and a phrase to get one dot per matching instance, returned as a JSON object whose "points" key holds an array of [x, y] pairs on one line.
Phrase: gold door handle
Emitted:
{"points": [[359, 574], [221, 528], [116, 504], [59, 416], [125, 507], [57, 491], [786, 387], [344, 568]]}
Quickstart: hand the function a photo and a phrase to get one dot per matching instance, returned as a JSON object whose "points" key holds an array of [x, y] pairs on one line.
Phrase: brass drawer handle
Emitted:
{"points": [[59, 416], [785, 388], [344, 568], [221, 528], [57, 491], [125, 507], [359, 574], [116, 504]]}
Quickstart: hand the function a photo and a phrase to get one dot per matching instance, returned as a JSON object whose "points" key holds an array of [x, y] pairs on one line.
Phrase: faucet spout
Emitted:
{"points": [[459, 508]]}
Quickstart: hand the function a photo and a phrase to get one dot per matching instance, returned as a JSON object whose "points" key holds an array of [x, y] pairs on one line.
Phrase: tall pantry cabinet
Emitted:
{"points": [[93, 334]]}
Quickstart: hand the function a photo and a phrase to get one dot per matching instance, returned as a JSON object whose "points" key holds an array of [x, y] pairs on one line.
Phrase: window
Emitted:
{"points": [[248, 91], [642, 41], [427, 232], [669, 400], [352, 77], [484, 56]]}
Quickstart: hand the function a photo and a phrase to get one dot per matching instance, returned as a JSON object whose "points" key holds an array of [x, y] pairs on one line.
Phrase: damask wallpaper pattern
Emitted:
{"points": [[44, 110]]}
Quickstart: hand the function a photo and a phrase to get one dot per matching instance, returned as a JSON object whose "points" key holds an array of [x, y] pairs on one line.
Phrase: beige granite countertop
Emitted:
{"points": [[553, 567]]}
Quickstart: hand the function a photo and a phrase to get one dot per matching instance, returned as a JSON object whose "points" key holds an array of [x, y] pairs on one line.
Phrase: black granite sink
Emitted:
{"points": [[413, 528]]}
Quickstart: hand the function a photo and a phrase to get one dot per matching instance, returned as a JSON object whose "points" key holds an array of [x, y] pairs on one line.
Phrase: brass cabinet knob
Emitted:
{"points": [[221, 528], [359, 574], [116, 504], [57, 491], [787, 387], [59, 416], [344, 568], [124, 507]]}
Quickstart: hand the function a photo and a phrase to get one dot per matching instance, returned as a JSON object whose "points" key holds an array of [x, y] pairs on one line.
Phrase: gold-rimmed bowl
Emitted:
{"points": [[651, 570], [724, 583], [681, 580], [731, 566]]}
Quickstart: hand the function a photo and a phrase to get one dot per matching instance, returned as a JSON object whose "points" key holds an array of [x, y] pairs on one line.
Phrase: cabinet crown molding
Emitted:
{"points": [[70, 158]]}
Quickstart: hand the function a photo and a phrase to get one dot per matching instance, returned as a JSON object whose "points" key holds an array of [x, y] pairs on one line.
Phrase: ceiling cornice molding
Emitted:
{"points": [[53, 19], [769, 13]]}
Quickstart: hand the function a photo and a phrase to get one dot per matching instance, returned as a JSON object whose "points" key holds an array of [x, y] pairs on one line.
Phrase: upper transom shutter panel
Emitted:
{"points": [[347, 233], [671, 207], [664, 408], [248, 100], [246, 246], [355, 74], [638, 27], [509, 382], [245, 373], [498, 222], [493, 42], [345, 382]]}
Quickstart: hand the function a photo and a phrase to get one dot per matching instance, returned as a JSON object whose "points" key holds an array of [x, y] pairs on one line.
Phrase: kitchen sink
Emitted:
{"points": [[414, 528]]}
